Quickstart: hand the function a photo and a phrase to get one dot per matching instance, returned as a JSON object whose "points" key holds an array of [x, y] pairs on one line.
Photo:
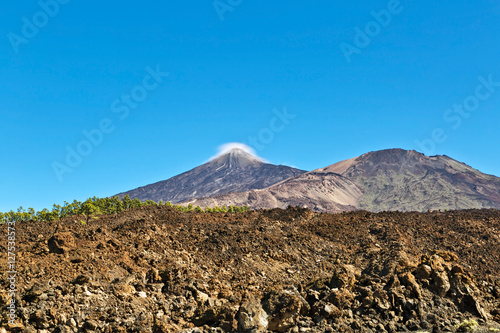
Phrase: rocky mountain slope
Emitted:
{"points": [[328, 192], [155, 269], [393, 179], [234, 171], [406, 180]]}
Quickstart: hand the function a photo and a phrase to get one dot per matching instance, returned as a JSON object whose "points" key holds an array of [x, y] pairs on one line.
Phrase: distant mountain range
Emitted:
{"points": [[392, 179]]}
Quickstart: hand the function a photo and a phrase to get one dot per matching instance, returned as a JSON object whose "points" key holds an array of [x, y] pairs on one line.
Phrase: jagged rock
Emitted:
{"points": [[344, 277], [341, 298], [324, 309], [81, 279], [35, 291], [191, 330], [91, 325], [200, 297], [153, 276], [61, 242], [251, 316], [447, 255], [16, 327], [124, 291], [62, 329], [283, 309], [398, 262], [437, 263], [441, 283], [381, 299], [163, 327], [408, 279], [312, 296], [214, 310], [423, 272], [471, 303]]}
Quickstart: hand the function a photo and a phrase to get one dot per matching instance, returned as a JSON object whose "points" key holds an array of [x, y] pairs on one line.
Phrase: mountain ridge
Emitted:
{"points": [[397, 179], [389, 179]]}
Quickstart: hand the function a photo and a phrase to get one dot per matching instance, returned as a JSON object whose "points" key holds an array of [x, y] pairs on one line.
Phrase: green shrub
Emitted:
{"points": [[467, 326], [92, 207]]}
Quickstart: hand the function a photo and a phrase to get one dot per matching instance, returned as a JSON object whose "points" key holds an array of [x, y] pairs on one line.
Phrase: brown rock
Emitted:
{"points": [[381, 299], [91, 325], [344, 277], [81, 279], [124, 291], [153, 276], [251, 317], [16, 327], [36, 291], [323, 309], [472, 303], [409, 281], [331, 311], [423, 272], [61, 242], [447, 256], [437, 263], [283, 308], [441, 283], [341, 298]]}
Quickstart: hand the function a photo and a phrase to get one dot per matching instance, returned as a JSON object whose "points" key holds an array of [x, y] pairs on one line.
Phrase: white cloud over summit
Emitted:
{"points": [[227, 147]]}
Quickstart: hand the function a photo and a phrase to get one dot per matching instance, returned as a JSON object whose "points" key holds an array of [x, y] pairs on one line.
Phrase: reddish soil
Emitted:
{"points": [[155, 269]]}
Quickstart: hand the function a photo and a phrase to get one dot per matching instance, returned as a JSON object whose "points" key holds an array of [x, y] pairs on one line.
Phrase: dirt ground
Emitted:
{"points": [[155, 269]]}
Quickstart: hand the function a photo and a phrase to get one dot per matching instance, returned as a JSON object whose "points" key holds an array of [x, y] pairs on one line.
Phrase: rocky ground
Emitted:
{"points": [[155, 269]]}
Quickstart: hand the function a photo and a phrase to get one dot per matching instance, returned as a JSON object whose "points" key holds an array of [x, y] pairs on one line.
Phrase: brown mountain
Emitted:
{"points": [[393, 179], [320, 191], [397, 179], [234, 171]]}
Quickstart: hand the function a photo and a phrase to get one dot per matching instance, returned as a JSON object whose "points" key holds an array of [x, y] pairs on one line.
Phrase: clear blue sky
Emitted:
{"points": [[74, 68]]}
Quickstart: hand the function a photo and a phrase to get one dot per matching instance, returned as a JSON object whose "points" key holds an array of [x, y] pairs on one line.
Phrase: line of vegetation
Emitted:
{"points": [[93, 207]]}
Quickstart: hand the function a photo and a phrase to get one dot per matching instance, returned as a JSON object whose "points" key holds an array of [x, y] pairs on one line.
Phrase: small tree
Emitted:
{"points": [[127, 202], [117, 204], [56, 211], [46, 215], [31, 214], [89, 209], [136, 203]]}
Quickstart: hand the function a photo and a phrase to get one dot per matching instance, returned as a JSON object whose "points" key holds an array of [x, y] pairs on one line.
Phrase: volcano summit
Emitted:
{"points": [[235, 170]]}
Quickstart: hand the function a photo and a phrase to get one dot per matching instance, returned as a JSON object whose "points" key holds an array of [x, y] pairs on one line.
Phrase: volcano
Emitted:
{"points": [[236, 170]]}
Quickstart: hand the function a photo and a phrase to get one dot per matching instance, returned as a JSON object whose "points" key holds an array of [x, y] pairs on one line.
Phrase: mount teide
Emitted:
{"points": [[234, 171]]}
